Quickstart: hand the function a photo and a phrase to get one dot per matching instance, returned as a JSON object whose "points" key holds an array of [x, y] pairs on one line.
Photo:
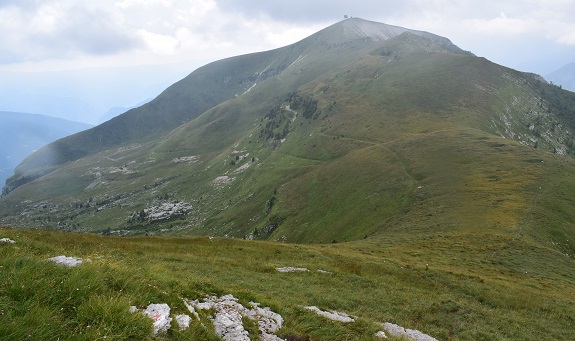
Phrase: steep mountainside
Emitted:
{"points": [[433, 190], [360, 129], [21, 134], [565, 77], [211, 85]]}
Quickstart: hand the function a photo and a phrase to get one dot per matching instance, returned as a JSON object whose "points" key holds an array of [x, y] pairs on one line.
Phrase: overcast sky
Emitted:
{"points": [[530, 35]]}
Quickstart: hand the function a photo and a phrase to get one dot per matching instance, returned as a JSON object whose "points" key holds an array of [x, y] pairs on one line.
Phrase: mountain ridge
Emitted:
{"points": [[152, 119], [272, 158]]}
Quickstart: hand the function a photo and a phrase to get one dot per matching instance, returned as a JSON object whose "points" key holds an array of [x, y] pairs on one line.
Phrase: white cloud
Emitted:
{"points": [[61, 30], [568, 38], [158, 43], [501, 25], [138, 3], [47, 19]]}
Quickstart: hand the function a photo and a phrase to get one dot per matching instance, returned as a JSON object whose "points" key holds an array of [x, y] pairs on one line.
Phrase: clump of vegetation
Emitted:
{"points": [[277, 124], [306, 104]]}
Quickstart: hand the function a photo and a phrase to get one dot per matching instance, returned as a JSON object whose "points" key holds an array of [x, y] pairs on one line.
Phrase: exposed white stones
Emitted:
{"points": [[7, 241], [287, 107], [221, 181], [183, 321], [167, 210], [160, 313], [380, 335], [67, 261], [229, 314], [294, 269], [299, 59], [332, 315], [416, 335], [92, 185], [228, 324], [268, 321], [189, 159], [291, 269], [191, 309], [324, 272], [242, 168]]}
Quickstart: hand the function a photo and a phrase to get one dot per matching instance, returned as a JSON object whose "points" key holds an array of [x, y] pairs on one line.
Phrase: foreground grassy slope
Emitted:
{"points": [[485, 286]]}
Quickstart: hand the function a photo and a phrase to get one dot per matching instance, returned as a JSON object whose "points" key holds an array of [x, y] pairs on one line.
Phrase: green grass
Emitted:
{"points": [[486, 287], [415, 156]]}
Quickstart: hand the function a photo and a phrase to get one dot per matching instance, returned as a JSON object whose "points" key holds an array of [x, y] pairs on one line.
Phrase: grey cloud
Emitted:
{"points": [[314, 11], [80, 29], [96, 32]]}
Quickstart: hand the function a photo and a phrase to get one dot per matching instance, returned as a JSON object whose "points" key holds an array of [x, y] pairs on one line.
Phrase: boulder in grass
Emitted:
{"points": [[160, 313], [183, 321], [67, 261]]}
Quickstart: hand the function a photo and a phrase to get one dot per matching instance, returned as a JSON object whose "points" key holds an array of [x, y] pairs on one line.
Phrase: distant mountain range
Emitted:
{"points": [[21, 134], [115, 111], [565, 77], [85, 95]]}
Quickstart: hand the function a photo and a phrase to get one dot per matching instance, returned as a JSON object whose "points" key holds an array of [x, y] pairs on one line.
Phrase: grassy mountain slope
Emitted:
{"points": [[493, 289], [378, 135], [205, 88], [377, 155]]}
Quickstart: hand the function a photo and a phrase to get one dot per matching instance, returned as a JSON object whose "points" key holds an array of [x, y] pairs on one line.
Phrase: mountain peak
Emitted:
{"points": [[361, 29]]}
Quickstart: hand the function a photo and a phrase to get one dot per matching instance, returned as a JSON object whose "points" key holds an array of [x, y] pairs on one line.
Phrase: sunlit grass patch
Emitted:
{"points": [[474, 288]]}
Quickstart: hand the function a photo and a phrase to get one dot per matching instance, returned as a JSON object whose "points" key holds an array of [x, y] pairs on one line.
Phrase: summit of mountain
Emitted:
{"points": [[356, 28]]}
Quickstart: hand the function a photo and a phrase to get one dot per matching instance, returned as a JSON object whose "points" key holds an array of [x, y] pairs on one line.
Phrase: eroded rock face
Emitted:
{"points": [[167, 210], [159, 211]]}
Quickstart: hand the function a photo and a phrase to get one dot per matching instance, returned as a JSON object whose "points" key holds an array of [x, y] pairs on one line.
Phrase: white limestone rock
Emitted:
{"points": [[66, 261], [160, 313]]}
